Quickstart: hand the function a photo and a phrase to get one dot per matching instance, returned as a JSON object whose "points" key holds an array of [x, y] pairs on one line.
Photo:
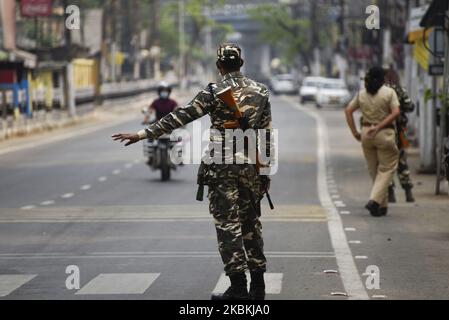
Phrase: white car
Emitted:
{"points": [[309, 89], [332, 93], [283, 84]]}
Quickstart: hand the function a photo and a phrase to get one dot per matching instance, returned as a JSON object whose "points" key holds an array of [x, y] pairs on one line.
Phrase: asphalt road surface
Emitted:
{"points": [[88, 206]]}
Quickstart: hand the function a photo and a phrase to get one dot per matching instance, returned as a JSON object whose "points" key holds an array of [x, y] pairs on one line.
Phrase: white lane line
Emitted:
{"points": [[85, 187], [361, 257], [102, 179], [349, 274], [350, 229], [10, 283], [345, 212], [273, 283], [119, 283], [67, 195], [47, 203], [355, 242], [116, 172], [340, 204], [25, 208], [380, 297]]}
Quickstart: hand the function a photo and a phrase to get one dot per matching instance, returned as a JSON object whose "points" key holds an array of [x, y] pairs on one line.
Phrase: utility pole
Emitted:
{"points": [[444, 139], [314, 34], [181, 31]]}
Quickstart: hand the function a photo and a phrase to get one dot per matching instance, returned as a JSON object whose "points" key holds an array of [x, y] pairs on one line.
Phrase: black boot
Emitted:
{"points": [[391, 195], [373, 208], [257, 287], [237, 291], [408, 194], [383, 212]]}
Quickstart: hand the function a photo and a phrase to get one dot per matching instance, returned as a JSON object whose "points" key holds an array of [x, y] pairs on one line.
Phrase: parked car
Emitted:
{"points": [[309, 89], [283, 84], [332, 93]]}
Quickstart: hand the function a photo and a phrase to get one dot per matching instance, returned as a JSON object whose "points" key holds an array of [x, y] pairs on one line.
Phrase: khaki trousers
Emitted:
{"points": [[382, 156]]}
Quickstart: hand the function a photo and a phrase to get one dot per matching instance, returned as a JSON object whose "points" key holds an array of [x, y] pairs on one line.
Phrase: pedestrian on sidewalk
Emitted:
{"points": [[380, 108], [406, 106]]}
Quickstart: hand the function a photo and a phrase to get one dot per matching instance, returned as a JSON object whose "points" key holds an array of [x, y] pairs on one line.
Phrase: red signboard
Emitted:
{"points": [[35, 8]]}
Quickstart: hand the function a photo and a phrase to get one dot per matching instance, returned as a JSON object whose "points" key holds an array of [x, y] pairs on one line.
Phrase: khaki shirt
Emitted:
{"points": [[378, 107]]}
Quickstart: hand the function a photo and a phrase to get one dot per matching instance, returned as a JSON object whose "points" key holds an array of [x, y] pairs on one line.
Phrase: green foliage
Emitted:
{"points": [[289, 32], [196, 22], [429, 95]]}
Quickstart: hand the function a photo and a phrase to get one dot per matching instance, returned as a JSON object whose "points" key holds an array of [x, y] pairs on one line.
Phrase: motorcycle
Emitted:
{"points": [[158, 154]]}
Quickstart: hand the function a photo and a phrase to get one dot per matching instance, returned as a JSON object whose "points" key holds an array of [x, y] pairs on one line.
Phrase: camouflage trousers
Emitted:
{"points": [[234, 201], [403, 171]]}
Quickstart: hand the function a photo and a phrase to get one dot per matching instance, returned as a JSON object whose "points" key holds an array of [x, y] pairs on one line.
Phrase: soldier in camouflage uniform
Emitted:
{"points": [[406, 106], [235, 189]]}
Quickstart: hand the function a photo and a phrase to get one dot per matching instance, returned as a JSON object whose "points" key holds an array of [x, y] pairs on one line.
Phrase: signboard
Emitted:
{"points": [[415, 31], [416, 15], [436, 70], [35, 8]]}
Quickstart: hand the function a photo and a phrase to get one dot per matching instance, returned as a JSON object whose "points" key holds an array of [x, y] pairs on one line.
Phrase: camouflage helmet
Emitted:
{"points": [[229, 51]]}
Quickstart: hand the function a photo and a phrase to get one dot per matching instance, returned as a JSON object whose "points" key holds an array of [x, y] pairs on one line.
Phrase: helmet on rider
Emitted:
{"points": [[164, 90]]}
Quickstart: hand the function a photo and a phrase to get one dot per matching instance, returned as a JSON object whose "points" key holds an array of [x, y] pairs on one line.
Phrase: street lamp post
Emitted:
{"points": [[181, 31]]}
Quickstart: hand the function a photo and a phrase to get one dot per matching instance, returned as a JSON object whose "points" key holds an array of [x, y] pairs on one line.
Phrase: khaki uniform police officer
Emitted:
{"points": [[379, 105]]}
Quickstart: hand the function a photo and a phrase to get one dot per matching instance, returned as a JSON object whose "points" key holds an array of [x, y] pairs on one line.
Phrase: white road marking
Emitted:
{"points": [[350, 229], [137, 161], [349, 274], [128, 166], [10, 283], [28, 208], [330, 271], [68, 195], [336, 196], [273, 283], [119, 283], [116, 172], [102, 179], [355, 242], [345, 212], [340, 204], [47, 203], [85, 187], [339, 294], [379, 297], [361, 257]]}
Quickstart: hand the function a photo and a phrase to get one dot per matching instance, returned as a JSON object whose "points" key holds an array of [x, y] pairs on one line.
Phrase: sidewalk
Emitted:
{"points": [[424, 189]]}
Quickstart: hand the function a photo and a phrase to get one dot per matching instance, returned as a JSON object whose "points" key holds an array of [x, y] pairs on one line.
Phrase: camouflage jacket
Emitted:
{"points": [[406, 105], [251, 96]]}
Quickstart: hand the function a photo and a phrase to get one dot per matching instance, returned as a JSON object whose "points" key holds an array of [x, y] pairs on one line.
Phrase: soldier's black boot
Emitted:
{"points": [[257, 286], [373, 207], [409, 194], [391, 195], [237, 291]]}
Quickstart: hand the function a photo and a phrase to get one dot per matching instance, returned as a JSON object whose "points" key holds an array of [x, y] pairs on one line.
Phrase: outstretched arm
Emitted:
{"points": [[196, 109]]}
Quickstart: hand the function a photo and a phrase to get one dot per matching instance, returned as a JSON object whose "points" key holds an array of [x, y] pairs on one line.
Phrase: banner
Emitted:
{"points": [[35, 8]]}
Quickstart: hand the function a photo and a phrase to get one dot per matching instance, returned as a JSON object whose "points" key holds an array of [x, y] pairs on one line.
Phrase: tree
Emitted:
{"points": [[197, 21], [291, 29]]}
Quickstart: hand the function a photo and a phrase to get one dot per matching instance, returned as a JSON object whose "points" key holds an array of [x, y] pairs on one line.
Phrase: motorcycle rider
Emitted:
{"points": [[163, 105]]}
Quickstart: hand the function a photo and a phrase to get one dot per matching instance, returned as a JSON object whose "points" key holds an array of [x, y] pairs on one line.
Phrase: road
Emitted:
{"points": [[90, 205]]}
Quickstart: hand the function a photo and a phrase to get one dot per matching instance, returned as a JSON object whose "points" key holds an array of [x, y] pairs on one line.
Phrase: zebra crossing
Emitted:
{"points": [[125, 284]]}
